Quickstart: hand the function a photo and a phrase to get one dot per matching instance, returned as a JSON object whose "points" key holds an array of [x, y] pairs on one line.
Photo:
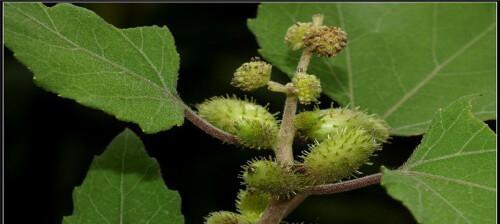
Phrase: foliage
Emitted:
{"points": [[400, 62], [450, 177], [403, 61], [124, 185], [130, 73]]}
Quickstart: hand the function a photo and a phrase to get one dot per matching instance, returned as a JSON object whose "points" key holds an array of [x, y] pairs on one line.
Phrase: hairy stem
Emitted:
{"points": [[286, 133], [207, 127], [305, 58], [294, 203], [277, 209], [345, 185], [277, 87]]}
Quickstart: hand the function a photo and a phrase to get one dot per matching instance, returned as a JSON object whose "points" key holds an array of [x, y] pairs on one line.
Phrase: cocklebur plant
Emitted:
{"points": [[374, 70], [345, 139]]}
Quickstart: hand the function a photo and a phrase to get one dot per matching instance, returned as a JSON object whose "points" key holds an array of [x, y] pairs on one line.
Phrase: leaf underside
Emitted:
{"points": [[130, 73], [403, 61], [124, 185], [450, 178]]}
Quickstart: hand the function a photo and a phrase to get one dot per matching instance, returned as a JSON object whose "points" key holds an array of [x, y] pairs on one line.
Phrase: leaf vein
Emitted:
{"points": [[428, 77]]}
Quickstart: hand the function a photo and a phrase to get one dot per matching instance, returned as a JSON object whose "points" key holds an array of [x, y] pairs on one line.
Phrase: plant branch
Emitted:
{"points": [[294, 203], [344, 186], [330, 189], [275, 211], [277, 87], [283, 151], [305, 58], [207, 127]]}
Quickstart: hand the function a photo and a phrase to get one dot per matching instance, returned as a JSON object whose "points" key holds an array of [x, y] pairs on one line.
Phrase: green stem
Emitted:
{"points": [[277, 87], [284, 153]]}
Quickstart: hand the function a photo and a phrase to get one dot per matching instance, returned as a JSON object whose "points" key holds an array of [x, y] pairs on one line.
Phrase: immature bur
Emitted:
{"points": [[320, 124], [340, 156], [252, 75], [345, 140], [225, 217], [251, 123], [270, 177], [252, 203]]}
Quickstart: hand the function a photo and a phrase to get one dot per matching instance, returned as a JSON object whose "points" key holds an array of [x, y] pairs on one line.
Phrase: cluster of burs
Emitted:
{"points": [[342, 139]]}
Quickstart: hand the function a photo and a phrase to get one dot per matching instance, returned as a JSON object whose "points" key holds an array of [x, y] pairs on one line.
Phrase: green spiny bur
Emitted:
{"points": [[252, 123], [320, 124], [256, 134], [270, 177], [252, 203], [338, 157], [226, 217], [306, 120]]}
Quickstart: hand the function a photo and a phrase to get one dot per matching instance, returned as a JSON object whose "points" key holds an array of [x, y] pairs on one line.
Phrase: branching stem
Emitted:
{"points": [[345, 185], [330, 189], [277, 87], [277, 209]]}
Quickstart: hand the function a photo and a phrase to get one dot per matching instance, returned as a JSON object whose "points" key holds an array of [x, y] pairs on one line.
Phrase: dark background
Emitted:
{"points": [[50, 141]]}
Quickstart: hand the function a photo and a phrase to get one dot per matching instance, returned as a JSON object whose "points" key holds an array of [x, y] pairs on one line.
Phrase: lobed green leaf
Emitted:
{"points": [[450, 178], [130, 73]]}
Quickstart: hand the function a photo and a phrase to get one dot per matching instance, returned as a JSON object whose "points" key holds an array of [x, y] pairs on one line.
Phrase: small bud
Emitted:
{"points": [[251, 123], [320, 124], [270, 177], [326, 41], [295, 34], [308, 87], [340, 156], [225, 217], [252, 75], [252, 203]]}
